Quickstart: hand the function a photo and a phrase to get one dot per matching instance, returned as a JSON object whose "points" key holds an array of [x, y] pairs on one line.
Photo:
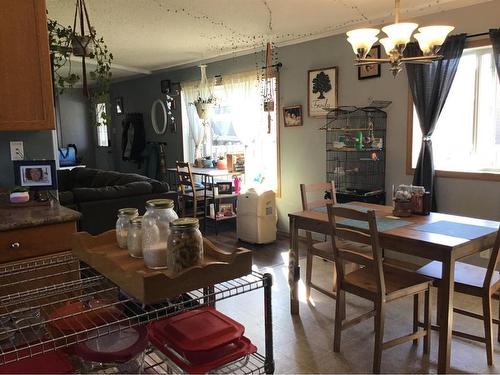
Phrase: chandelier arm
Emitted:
{"points": [[396, 15], [371, 61], [422, 58]]}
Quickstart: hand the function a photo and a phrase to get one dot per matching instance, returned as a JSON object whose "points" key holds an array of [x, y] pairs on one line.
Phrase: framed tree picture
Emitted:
{"points": [[321, 91], [371, 70]]}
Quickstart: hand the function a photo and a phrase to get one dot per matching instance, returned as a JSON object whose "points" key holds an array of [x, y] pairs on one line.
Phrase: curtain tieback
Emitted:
{"points": [[426, 139]]}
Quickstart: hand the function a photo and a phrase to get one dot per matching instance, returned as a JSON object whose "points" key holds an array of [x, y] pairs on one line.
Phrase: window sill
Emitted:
{"points": [[484, 176]]}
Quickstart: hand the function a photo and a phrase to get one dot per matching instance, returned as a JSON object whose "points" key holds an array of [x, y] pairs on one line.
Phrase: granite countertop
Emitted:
{"points": [[25, 217]]}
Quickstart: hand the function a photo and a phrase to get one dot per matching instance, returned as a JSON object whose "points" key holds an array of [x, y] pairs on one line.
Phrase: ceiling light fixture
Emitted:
{"points": [[430, 40]]}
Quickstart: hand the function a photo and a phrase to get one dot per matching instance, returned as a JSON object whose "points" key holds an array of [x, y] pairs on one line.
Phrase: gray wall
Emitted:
{"points": [[75, 126], [302, 148], [37, 145]]}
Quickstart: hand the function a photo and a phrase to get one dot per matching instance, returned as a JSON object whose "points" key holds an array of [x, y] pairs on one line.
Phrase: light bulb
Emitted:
{"points": [[362, 40], [434, 35], [423, 43], [400, 33]]}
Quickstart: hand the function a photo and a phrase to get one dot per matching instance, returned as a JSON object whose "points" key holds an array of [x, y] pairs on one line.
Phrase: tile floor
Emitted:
{"points": [[303, 344]]}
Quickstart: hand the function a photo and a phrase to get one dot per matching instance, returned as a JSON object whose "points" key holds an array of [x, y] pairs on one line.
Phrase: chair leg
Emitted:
{"points": [[379, 336], [309, 264], [334, 278], [488, 329], [427, 321], [498, 338], [415, 316], [339, 317]]}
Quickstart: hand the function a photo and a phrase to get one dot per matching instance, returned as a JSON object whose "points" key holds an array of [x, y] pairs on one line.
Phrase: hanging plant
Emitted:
{"points": [[64, 42]]}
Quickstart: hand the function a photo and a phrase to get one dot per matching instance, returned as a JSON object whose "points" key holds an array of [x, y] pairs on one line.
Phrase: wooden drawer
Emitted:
{"points": [[30, 242]]}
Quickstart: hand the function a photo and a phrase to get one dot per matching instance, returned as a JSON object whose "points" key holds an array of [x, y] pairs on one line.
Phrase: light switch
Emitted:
{"points": [[16, 150]]}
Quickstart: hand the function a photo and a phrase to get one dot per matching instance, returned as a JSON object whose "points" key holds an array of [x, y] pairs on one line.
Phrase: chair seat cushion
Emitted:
{"points": [[396, 279], [325, 249], [465, 274]]}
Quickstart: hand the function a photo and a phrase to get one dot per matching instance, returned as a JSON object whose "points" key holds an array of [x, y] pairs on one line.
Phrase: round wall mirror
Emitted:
{"points": [[159, 116]]}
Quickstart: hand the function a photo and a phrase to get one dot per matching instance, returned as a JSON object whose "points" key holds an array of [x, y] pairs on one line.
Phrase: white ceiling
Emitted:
{"points": [[148, 35]]}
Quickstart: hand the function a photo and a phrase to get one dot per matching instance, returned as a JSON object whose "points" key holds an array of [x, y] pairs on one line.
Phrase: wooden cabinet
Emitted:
{"points": [[26, 98]]}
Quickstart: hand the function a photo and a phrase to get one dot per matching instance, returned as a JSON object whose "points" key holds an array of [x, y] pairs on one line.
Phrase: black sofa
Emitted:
{"points": [[98, 195]]}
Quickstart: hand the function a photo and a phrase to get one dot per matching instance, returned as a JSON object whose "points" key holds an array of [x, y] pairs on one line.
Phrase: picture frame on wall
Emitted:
{"points": [[292, 116], [371, 70], [322, 91], [119, 106]]}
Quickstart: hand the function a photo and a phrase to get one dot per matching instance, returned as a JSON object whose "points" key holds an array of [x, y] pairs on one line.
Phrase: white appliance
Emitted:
{"points": [[256, 219]]}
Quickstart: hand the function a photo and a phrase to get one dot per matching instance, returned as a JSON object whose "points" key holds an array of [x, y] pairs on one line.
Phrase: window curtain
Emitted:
{"points": [[197, 131], [495, 42], [429, 86]]}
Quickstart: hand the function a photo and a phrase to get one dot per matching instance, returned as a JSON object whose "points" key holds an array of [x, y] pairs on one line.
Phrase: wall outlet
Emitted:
{"points": [[16, 150]]}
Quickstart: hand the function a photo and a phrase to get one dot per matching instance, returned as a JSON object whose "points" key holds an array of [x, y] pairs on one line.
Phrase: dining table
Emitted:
{"points": [[437, 236]]}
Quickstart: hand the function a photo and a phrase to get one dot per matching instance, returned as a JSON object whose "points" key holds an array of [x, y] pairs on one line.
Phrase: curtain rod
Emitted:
{"points": [[476, 35]]}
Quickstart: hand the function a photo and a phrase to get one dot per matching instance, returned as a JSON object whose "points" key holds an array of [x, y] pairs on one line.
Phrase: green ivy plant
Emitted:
{"points": [[60, 38]]}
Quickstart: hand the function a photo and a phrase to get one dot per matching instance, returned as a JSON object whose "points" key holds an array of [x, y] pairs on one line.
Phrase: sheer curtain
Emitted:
{"points": [[197, 131]]}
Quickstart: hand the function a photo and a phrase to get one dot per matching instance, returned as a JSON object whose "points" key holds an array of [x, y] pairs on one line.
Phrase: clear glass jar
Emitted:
{"points": [[122, 225], [155, 231], [185, 244], [134, 238]]}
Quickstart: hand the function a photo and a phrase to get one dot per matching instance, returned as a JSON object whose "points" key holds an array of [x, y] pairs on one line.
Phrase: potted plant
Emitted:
{"points": [[222, 162], [204, 107], [207, 162]]}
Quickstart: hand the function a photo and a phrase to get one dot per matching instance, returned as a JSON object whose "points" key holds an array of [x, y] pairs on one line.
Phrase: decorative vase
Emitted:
{"points": [[207, 163], [222, 164], [204, 110]]}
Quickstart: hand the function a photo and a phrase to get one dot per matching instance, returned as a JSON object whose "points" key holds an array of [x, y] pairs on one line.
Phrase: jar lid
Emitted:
{"points": [[185, 222], [136, 221], [160, 203], [128, 211]]}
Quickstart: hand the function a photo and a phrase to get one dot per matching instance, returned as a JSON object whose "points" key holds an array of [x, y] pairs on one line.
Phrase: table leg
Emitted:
{"points": [[293, 267], [445, 314]]}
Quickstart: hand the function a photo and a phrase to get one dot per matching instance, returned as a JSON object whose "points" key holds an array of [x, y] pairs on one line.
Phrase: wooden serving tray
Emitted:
{"points": [[152, 286]]}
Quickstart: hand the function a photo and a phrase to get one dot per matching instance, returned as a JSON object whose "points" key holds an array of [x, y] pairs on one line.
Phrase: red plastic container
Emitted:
{"points": [[48, 363], [200, 340]]}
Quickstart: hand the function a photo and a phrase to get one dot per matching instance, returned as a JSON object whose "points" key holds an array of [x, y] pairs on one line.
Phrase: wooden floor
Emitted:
{"points": [[303, 344]]}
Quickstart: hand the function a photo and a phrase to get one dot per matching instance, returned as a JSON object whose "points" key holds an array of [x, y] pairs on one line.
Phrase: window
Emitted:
{"points": [[102, 128], [467, 135]]}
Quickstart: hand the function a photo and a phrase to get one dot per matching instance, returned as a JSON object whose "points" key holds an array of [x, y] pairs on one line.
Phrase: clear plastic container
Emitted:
{"points": [[155, 232], [122, 224], [134, 239], [185, 244]]}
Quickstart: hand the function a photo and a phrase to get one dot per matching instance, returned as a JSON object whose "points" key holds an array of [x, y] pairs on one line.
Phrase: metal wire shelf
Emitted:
{"points": [[32, 291]]}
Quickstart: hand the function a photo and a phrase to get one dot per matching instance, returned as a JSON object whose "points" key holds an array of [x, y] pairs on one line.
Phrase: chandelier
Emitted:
{"points": [[430, 40]]}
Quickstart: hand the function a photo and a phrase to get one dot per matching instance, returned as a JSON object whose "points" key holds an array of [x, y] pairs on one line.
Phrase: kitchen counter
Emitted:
{"points": [[25, 217]]}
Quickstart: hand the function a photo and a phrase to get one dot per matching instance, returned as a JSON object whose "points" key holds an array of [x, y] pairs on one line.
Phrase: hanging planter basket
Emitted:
{"points": [[204, 110], [82, 46]]}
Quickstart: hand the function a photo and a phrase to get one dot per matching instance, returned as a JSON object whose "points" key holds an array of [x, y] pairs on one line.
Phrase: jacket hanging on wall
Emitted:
{"points": [[133, 138]]}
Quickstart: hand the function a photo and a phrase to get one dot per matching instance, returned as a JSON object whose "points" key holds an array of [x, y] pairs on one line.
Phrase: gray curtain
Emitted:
{"points": [[429, 86], [495, 42]]}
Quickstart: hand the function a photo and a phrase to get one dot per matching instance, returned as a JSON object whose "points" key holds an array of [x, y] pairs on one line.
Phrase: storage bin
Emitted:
{"points": [[256, 220]]}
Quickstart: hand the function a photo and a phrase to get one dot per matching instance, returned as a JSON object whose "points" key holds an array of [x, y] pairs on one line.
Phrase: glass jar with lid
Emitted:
{"points": [[134, 239], [122, 224], [155, 231], [185, 244]]}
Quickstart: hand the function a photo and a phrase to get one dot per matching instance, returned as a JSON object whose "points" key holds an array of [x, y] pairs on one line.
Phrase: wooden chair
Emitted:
{"points": [[315, 196], [189, 193], [479, 282], [377, 282]]}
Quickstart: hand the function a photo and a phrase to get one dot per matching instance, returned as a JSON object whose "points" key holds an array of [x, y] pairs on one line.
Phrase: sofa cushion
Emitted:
{"points": [[82, 177], [159, 186], [110, 192], [64, 180], [66, 197]]}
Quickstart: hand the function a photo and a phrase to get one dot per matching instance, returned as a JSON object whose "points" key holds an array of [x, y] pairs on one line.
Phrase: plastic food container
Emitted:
{"points": [[55, 362], [200, 340], [123, 349]]}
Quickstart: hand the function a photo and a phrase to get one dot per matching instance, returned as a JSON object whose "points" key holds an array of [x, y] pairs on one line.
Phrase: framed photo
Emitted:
{"points": [[36, 174], [292, 116], [119, 106], [226, 209], [321, 91], [225, 187], [372, 70]]}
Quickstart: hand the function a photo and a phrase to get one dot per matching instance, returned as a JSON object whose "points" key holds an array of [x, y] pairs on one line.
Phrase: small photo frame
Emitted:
{"points": [[35, 174], [292, 116], [119, 106], [372, 70], [225, 187], [321, 91], [226, 209]]}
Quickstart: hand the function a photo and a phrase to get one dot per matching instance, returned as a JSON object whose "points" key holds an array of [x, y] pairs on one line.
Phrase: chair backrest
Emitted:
{"points": [[184, 177], [367, 236], [317, 195], [494, 261]]}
